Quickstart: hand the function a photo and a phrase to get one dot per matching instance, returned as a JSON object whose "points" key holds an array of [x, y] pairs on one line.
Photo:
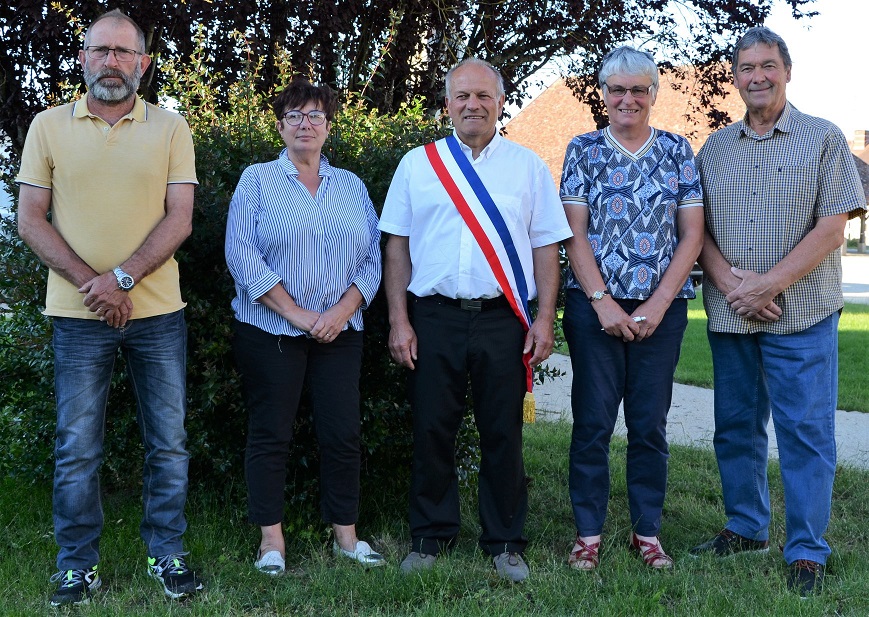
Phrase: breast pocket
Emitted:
{"points": [[794, 186], [510, 208]]}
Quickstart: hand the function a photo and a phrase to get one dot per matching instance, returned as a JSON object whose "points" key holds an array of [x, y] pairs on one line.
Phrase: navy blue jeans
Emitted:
{"points": [[155, 349], [795, 376], [607, 371]]}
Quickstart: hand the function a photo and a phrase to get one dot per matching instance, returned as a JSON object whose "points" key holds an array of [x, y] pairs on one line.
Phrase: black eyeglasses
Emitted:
{"points": [[637, 92], [98, 52], [295, 117]]}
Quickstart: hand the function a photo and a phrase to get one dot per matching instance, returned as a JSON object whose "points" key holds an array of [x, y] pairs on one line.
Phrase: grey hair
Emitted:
{"points": [[477, 62], [117, 15], [628, 61], [761, 35]]}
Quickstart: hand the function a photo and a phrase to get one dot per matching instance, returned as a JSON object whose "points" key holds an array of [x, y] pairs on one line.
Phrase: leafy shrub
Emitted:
{"points": [[227, 141]]}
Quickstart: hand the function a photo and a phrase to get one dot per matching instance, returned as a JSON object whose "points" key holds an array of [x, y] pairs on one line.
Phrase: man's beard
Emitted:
{"points": [[112, 93]]}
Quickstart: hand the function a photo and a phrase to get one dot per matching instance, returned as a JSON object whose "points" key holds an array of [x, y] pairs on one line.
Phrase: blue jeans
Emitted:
{"points": [[607, 371], [155, 350], [794, 376]]}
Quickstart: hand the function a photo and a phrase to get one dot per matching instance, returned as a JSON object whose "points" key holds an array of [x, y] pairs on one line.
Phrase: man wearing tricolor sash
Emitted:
{"points": [[474, 223]]}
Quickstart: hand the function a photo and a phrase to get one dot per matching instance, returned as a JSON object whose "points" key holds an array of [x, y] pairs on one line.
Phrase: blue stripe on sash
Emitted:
{"points": [[496, 218]]}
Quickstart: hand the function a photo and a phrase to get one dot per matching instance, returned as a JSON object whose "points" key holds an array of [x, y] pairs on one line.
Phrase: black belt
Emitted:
{"points": [[476, 306]]}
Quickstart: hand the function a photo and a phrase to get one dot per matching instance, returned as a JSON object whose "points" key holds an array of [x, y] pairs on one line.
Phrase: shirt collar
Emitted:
{"points": [[288, 166], [485, 152], [139, 113], [784, 124]]}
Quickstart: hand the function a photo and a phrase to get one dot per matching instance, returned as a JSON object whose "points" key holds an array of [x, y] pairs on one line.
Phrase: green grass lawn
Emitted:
{"points": [[463, 584], [695, 362]]}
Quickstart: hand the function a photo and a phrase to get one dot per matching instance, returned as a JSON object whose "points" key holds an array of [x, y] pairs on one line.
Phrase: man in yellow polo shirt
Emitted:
{"points": [[117, 176]]}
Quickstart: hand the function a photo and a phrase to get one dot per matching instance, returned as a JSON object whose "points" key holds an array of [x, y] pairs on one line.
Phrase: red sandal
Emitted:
{"points": [[653, 554], [584, 556]]}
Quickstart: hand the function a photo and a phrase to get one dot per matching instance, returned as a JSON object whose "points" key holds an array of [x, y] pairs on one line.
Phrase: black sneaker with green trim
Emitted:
{"points": [[75, 586], [177, 579]]}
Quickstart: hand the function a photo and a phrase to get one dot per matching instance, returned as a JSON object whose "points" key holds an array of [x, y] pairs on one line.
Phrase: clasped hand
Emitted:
{"points": [[106, 299], [751, 296], [328, 324]]}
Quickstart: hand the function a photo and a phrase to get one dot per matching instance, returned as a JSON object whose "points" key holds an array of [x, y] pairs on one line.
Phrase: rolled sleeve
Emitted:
{"points": [[244, 258]]}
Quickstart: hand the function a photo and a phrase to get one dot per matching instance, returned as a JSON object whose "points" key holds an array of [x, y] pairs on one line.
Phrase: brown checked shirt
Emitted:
{"points": [[762, 195]]}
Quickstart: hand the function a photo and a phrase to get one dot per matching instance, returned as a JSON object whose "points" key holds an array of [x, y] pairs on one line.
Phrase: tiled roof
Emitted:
{"points": [[550, 121], [861, 158]]}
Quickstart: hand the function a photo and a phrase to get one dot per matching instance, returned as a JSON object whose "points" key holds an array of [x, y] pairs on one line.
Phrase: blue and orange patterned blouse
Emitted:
{"points": [[632, 200]]}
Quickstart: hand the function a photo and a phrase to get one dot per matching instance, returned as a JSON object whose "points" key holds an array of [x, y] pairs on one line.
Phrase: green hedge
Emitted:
{"points": [[226, 141]]}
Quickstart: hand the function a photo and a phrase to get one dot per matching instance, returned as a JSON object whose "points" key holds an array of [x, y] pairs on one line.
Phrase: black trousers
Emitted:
{"points": [[453, 346], [273, 371]]}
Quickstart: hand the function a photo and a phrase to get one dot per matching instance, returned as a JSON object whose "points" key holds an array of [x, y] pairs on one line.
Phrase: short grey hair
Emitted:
{"points": [[117, 15], [761, 35], [628, 61], [478, 62]]}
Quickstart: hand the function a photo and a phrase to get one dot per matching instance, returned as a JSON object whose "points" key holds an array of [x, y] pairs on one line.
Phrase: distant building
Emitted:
{"points": [[860, 149], [550, 121]]}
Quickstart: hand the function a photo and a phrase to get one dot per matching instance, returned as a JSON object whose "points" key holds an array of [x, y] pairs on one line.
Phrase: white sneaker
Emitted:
{"points": [[363, 553], [271, 563]]}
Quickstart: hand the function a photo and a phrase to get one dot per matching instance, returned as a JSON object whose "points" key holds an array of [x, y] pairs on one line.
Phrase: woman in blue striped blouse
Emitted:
{"points": [[303, 247]]}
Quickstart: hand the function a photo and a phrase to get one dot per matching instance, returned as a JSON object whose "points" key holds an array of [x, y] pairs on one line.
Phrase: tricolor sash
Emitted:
{"points": [[479, 212]]}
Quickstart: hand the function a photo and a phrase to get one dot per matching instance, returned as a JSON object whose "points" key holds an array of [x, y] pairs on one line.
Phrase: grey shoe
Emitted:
{"points": [[511, 566], [417, 561]]}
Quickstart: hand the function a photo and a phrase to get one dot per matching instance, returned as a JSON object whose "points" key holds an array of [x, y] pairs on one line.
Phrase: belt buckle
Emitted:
{"points": [[472, 305]]}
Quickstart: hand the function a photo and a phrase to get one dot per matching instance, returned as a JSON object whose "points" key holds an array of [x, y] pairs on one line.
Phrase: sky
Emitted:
{"points": [[829, 53], [826, 50]]}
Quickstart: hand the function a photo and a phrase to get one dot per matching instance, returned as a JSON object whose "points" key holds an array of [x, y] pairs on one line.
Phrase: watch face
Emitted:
{"points": [[598, 295], [125, 282]]}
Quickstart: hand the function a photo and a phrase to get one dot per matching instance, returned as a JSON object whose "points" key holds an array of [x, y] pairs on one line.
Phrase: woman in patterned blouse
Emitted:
{"points": [[634, 203]]}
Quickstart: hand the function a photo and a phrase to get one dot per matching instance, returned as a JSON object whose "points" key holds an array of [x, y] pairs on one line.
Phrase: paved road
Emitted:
{"points": [[855, 278]]}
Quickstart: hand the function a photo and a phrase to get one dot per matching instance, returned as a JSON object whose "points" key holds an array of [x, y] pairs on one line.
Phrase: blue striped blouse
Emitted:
{"points": [[315, 247]]}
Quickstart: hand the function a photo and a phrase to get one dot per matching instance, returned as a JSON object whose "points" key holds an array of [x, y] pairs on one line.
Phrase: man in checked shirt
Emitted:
{"points": [[778, 187]]}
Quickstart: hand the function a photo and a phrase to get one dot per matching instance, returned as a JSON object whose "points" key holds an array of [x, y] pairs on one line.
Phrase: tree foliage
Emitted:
{"points": [[692, 38], [394, 50], [227, 140]]}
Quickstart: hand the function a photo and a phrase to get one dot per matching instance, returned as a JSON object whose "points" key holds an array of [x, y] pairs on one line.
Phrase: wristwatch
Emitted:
{"points": [[125, 281], [598, 295]]}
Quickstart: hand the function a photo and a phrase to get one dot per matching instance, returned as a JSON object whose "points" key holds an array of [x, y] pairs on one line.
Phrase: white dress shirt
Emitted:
{"points": [[444, 255]]}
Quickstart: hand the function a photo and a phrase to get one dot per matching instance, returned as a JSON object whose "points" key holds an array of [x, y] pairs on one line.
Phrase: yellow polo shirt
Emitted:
{"points": [[108, 191]]}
